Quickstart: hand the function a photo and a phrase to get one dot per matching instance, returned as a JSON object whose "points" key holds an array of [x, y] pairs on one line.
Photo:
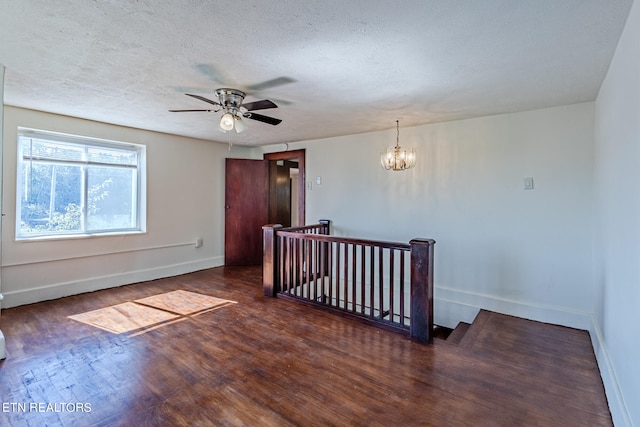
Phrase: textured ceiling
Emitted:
{"points": [[333, 67]]}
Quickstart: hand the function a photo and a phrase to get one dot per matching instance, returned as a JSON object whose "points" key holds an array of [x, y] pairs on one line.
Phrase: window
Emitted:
{"points": [[72, 185]]}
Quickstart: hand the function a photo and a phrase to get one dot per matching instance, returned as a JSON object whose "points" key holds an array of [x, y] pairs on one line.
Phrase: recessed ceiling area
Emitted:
{"points": [[333, 67]]}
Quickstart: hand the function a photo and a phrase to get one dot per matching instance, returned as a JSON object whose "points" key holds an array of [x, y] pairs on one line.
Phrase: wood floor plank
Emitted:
{"points": [[271, 362]]}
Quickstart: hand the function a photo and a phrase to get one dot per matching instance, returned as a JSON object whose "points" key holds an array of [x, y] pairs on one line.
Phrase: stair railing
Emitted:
{"points": [[385, 283]]}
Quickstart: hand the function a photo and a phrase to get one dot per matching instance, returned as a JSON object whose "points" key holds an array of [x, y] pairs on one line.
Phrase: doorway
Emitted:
{"points": [[259, 192], [291, 161], [283, 192]]}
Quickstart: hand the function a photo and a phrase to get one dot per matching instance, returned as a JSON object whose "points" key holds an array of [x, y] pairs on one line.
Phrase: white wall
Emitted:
{"points": [[499, 247], [185, 181], [617, 179], [3, 353]]}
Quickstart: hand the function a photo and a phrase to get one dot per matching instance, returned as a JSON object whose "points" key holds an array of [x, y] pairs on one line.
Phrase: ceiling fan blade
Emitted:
{"points": [[281, 101], [279, 81], [211, 72], [259, 105], [263, 119], [187, 111], [202, 98]]}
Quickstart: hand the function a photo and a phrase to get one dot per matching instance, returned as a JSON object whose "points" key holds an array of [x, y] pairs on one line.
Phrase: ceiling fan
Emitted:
{"points": [[230, 102]]}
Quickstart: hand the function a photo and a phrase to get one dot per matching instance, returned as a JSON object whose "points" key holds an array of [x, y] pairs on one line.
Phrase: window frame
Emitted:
{"points": [[24, 134]]}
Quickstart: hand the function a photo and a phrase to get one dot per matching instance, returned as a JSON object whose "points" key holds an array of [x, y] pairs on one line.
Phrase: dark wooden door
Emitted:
{"points": [[246, 210]]}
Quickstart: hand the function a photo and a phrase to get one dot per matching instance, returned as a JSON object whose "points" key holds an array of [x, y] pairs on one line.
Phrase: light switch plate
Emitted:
{"points": [[528, 183]]}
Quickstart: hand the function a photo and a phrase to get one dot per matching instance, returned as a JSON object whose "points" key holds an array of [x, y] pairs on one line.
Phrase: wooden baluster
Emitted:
{"points": [[380, 281], [336, 257], [308, 270], [339, 275], [300, 260], [304, 265], [330, 271], [296, 265], [372, 282], [281, 261], [352, 281], [401, 296], [312, 286], [354, 269], [391, 282], [363, 277], [301, 266], [289, 256], [345, 282], [319, 267], [284, 262], [323, 269], [291, 259]]}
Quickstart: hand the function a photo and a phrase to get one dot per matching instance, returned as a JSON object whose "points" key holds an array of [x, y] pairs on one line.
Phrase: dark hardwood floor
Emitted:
{"points": [[271, 362]]}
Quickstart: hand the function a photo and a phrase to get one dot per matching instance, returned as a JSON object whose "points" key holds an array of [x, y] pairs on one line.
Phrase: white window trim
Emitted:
{"points": [[141, 190]]}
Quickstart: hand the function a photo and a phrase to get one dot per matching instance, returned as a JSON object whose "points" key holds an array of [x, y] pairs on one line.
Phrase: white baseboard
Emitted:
{"points": [[617, 404], [59, 290], [464, 305]]}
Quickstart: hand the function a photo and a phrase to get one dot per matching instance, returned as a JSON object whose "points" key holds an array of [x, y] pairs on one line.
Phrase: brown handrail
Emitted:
{"points": [[322, 227], [286, 232], [341, 274]]}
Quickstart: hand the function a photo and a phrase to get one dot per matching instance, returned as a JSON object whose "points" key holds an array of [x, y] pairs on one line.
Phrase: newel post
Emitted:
{"points": [[269, 259], [421, 328], [326, 226]]}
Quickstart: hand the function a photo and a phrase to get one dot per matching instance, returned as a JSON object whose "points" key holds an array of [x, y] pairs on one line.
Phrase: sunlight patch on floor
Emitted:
{"points": [[151, 312], [183, 302]]}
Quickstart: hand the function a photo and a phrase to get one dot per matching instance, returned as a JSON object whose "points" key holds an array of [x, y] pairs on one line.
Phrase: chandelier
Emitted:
{"points": [[395, 158]]}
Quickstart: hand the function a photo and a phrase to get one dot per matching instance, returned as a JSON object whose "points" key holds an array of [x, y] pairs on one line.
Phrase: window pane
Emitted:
{"points": [[42, 149], [51, 197], [113, 156], [68, 184], [111, 198]]}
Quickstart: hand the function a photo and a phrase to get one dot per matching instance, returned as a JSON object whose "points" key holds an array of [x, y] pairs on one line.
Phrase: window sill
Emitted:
{"points": [[59, 237]]}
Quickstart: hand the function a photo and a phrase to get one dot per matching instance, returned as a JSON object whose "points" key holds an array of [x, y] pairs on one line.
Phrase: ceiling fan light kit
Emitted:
{"points": [[230, 102], [397, 159], [226, 122], [240, 125]]}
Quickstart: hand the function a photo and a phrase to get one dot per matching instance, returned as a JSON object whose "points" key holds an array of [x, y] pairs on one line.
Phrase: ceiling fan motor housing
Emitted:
{"points": [[230, 98]]}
